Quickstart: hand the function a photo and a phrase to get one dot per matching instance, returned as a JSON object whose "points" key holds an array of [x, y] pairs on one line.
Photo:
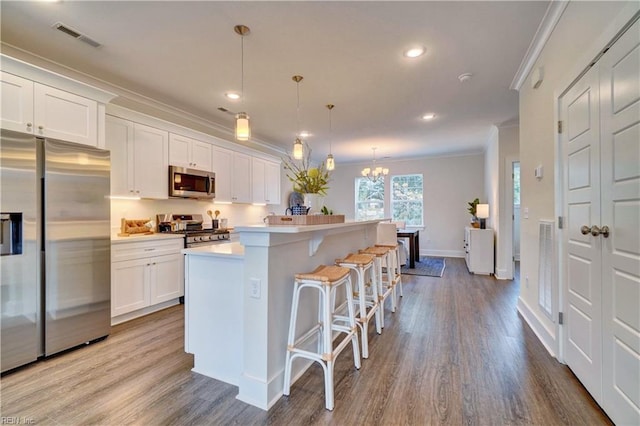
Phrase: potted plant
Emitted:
{"points": [[472, 210], [312, 182]]}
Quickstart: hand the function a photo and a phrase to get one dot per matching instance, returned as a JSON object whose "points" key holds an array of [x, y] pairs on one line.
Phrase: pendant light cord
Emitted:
{"points": [[298, 107], [242, 68]]}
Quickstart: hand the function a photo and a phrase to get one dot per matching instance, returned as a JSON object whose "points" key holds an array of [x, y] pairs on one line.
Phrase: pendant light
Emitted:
{"points": [[243, 129], [298, 151], [331, 162]]}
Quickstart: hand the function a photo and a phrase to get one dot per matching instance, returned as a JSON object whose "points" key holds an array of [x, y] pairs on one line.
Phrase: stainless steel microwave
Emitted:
{"points": [[191, 183]]}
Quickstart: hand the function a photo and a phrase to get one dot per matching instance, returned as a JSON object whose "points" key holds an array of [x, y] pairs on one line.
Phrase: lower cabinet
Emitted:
{"points": [[478, 247], [144, 276]]}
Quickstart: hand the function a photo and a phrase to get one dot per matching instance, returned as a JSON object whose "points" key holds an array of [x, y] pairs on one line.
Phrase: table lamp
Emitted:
{"points": [[482, 213]]}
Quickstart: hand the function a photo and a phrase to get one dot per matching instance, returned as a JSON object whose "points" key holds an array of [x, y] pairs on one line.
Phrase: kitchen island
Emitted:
{"points": [[238, 301]]}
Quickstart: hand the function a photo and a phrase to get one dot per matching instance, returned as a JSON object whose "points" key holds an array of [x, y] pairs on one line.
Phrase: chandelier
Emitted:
{"points": [[243, 129], [374, 172]]}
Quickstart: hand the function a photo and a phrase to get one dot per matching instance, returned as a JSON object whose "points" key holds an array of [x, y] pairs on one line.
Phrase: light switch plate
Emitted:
{"points": [[254, 290]]}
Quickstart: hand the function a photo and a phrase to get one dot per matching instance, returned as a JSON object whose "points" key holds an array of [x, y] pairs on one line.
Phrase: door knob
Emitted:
{"points": [[595, 231], [605, 231], [585, 230]]}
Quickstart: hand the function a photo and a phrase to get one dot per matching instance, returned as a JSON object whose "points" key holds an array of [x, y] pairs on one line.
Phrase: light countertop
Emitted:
{"points": [[295, 229]]}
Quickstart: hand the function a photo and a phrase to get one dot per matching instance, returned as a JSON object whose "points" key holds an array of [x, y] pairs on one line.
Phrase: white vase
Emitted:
{"points": [[314, 202]]}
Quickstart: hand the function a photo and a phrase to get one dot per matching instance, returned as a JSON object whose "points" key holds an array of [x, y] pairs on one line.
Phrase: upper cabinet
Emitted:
{"points": [[221, 166], [189, 153], [241, 178], [265, 181], [139, 159], [44, 111]]}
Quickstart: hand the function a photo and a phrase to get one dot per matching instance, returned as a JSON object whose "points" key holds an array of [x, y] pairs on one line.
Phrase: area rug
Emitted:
{"points": [[429, 266]]}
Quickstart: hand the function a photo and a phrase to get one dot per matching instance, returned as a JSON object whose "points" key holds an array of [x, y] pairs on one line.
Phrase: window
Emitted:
{"points": [[369, 199], [406, 199]]}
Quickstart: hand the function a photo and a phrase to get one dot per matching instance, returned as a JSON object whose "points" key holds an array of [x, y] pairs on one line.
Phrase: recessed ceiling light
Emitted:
{"points": [[429, 116], [414, 52], [232, 95], [465, 77]]}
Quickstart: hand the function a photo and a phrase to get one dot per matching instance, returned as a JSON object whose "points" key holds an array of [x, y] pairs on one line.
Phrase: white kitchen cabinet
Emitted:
{"points": [[222, 162], [189, 153], [241, 178], [139, 159], [44, 111], [478, 247], [145, 275], [265, 177]]}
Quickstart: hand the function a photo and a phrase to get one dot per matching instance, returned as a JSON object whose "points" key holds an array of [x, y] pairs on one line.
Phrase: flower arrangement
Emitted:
{"points": [[306, 179]]}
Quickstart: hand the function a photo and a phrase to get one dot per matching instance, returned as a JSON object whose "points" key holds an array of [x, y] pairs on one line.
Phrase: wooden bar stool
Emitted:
{"points": [[383, 282], [367, 295], [327, 280]]}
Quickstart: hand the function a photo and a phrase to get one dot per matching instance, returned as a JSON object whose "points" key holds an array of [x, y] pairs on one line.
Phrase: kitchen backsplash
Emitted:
{"points": [[236, 214]]}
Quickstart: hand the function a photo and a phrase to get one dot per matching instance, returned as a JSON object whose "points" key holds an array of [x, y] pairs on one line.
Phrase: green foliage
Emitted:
{"points": [[306, 179], [326, 211], [472, 207]]}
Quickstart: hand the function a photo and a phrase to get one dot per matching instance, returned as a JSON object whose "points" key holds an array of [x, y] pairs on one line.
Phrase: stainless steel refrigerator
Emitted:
{"points": [[55, 247]]}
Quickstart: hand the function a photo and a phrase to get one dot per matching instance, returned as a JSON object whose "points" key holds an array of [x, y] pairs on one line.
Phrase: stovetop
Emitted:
{"points": [[203, 231]]}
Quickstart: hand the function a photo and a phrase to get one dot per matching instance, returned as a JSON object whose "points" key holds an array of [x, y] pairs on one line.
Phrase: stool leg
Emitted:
{"points": [[399, 272], [363, 312], [391, 272], [352, 324], [291, 339], [328, 385], [380, 289], [376, 300]]}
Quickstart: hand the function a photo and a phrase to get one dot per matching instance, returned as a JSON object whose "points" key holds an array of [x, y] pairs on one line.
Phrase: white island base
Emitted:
{"points": [[238, 301]]}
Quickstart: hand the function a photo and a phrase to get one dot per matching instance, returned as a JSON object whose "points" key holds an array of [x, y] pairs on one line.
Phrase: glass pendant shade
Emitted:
{"points": [[297, 149], [243, 130], [331, 164]]}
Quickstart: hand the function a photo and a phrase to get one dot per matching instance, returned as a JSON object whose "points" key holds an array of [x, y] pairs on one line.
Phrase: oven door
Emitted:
{"points": [[191, 183]]}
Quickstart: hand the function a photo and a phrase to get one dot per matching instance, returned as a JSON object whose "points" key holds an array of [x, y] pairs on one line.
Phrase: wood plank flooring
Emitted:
{"points": [[455, 352]]}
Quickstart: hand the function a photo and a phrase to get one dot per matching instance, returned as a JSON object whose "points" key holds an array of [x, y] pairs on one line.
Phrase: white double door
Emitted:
{"points": [[601, 147]]}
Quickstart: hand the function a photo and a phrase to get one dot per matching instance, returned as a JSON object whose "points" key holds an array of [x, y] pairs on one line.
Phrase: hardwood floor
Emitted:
{"points": [[455, 352]]}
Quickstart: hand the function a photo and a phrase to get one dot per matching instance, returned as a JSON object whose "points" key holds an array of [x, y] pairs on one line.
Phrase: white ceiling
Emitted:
{"points": [[186, 55]]}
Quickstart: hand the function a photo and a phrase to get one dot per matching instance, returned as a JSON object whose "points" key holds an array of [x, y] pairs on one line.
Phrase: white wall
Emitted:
{"points": [[584, 29], [449, 183]]}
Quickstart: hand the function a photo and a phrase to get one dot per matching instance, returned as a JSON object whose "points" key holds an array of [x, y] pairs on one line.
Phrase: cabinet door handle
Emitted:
{"points": [[40, 127], [29, 125], [149, 249]]}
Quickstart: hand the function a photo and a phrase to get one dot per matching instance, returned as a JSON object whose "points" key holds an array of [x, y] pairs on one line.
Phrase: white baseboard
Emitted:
{"points": [[501, 274], [144, 311], [442, 253], [548, 339]]}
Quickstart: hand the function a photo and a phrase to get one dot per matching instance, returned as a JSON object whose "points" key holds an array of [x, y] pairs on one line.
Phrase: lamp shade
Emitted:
{"points": [[243, 131], [482, 211]]}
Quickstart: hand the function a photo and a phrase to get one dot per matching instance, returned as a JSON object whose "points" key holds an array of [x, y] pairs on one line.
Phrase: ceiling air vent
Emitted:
{"points": [[75, 34]]}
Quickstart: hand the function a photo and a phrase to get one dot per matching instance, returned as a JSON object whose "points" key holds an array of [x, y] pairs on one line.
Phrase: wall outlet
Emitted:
{"points": [[254, 290]]}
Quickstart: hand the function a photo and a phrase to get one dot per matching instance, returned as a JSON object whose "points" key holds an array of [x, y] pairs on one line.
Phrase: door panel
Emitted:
{"points": [[620, 151], [580, 108]]}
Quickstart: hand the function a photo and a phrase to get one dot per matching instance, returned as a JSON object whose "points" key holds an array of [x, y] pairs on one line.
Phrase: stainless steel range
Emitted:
{"points": [[192, 227]]}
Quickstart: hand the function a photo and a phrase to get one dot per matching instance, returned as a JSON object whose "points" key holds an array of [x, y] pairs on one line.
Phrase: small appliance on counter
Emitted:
{"points": [[191, 226]]}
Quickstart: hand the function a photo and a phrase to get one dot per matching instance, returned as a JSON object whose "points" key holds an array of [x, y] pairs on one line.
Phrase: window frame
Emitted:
{"points": [[358, 202], [393, 201]]}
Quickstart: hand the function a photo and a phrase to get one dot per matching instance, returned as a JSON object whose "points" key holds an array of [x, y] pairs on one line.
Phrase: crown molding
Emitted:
{"points": [[549, 21], [133, 100]]}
